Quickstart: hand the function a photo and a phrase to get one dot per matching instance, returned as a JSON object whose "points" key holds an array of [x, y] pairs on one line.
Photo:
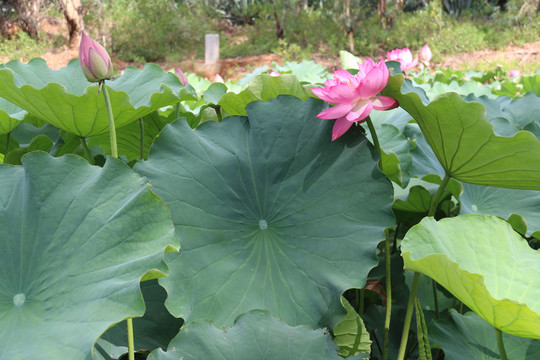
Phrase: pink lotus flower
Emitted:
{"points": [[404, 57], [425, 55], [515, 73], [274, 73], [181, 76], [355, 95], [94, 60]]}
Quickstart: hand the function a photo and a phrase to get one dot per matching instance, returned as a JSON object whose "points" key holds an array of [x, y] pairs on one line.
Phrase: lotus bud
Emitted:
{"points": [[181, 76], [218, 79], [94, 60], [515, 73], [425, 54]]}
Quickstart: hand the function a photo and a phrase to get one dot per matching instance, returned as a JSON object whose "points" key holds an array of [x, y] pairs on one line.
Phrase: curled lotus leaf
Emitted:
{"points": [[483, 262], [65, 99]]}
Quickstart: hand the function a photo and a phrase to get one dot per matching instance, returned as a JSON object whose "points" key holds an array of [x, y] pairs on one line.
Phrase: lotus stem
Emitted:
{"points": [[112, 128], [438, 194], [435, 298], [416, 278], [85, 150], [131, 343], [375, 140], [8, 142], [408, 317], [141, 138], [388, 295], [500, 344]]}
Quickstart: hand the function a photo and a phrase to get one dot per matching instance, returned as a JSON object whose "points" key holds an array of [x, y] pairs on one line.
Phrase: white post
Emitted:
{"points": [[211, 49]]}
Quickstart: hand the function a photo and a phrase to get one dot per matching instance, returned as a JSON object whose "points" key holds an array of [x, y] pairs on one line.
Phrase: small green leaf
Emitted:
{"points": [[214, 93], [263, 87], [40, 142], [350, 334], [348, 60]]}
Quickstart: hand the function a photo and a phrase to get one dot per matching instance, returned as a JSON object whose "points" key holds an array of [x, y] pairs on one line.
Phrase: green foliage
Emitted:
{"points": [[150, 30]]}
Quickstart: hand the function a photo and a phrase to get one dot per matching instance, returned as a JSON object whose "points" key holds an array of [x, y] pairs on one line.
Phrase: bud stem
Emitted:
{"points": [[112, 129]]}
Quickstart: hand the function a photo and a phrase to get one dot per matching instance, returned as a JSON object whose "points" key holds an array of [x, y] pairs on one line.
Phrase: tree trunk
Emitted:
{"points": [[279, 28], [348, 25], [72, 10], [381, 10], [529, 8], [28, 16]]}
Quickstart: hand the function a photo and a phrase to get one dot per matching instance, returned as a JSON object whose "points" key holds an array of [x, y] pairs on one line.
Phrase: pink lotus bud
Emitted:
{"points": [[275, 73], [181, 76], [515, 73], [94, 59], [425, 54], [218, 78]]}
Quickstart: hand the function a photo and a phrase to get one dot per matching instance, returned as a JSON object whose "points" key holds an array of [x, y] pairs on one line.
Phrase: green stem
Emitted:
{"points": [[436, 298], [408, 317], [141, 138], [86, 152], [8, 143], [416, 278], [375, 140], [394, 245], [112, 128], [500, 344], [361, 303], [177, 110], [438, 194], [388, 295], [131, 343]]}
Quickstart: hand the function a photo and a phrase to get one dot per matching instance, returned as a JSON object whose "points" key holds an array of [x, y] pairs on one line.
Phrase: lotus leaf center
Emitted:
{"points": [[263, 225], [19, 299], [474, 208]]}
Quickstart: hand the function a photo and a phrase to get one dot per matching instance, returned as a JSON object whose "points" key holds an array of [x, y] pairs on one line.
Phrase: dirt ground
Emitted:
{"points": [[236, 68]]}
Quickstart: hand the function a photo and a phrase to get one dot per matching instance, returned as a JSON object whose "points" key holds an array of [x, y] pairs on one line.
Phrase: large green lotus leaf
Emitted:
{"points": [[273, 215], [65, 99], [477, 199], [263, 87], [485, 264], [469, 337], [465, 143], [254, 335], [76, 241]]}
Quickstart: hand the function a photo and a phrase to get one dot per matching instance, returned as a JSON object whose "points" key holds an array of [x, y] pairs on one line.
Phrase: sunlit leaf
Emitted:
{"points": [[465, 143], [65, 99], [485, 264]]}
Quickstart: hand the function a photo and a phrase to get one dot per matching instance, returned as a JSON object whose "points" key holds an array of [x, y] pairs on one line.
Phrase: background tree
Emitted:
{"points": [[72, 10], [28, 12]]}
